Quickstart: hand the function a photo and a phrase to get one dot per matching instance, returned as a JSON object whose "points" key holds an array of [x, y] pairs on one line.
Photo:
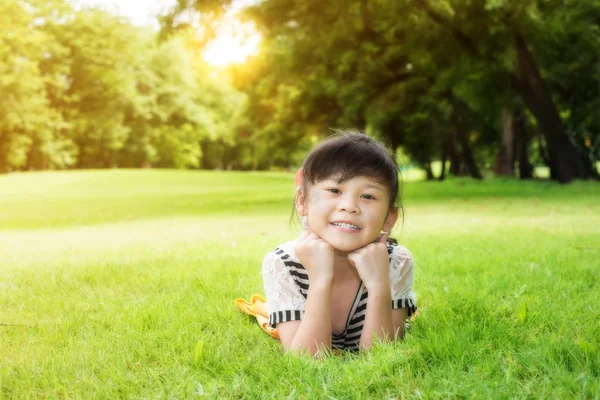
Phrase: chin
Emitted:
{"points": [[345, 249], [346, 246]]}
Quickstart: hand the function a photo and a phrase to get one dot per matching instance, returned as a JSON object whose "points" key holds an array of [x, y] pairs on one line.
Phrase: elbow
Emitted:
{"points": [[315, 354], [316, 351]]}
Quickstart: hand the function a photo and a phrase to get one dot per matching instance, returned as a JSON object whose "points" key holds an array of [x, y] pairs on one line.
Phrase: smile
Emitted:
{"points": [[345, 225]]}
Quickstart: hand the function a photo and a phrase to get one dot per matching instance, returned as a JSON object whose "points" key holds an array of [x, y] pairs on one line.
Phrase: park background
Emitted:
{"points": [[147, 167]]}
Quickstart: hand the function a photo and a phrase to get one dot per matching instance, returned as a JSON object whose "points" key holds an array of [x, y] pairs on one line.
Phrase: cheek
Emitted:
{"points": [[314, 197], [317, 202], [379, 215], [318, 206]]}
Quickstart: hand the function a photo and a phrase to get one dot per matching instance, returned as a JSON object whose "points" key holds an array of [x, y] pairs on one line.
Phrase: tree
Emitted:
{"points": [[87, 89], [30, 129], [488, 30], [341, 57]]}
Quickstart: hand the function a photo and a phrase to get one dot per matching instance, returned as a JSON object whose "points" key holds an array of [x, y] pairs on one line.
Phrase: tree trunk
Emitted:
{"points": [[459, 116], [32, 156], [542, 148], [505, 160], [3, 155], [429, 172], [565, 162], [522, 142], [467, 153], [444, 159], [457, 166]]}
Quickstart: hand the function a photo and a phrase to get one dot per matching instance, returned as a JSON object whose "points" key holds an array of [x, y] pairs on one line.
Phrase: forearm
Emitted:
{"points": [[314, 332], [378, 321]]}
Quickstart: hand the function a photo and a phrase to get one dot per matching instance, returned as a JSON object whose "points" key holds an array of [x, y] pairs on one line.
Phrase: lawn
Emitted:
{"points": [[120, 284]]}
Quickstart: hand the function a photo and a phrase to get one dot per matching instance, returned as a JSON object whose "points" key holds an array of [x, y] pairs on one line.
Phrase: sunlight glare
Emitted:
{"points": [[234, 43]]}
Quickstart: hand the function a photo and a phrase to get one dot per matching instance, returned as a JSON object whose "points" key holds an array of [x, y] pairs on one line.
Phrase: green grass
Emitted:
{"points": [[120, 284]]}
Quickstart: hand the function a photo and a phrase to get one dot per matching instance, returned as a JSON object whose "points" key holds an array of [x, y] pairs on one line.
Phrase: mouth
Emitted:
{"points": [[345, 225]]}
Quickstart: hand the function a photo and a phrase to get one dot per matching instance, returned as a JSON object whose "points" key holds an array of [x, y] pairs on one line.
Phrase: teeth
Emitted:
{"points": [[343, 225]]}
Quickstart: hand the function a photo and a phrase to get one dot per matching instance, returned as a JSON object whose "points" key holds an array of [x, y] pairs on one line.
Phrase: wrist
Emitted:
{"points": [[379, 288], [321, 283]]}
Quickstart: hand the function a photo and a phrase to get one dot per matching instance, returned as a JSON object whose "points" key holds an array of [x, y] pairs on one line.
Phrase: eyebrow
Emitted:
{"points": [[374, 187], [368, 186]]}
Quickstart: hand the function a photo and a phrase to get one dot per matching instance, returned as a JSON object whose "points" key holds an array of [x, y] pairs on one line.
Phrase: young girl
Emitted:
{"points": [[342, 283]]}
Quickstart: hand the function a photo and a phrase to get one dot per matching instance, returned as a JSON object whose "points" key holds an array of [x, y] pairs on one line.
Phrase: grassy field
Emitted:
{"points": [[120, 284]]}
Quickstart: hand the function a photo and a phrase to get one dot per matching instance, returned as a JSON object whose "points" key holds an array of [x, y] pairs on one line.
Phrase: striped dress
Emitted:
{"points": [[286, 285]]}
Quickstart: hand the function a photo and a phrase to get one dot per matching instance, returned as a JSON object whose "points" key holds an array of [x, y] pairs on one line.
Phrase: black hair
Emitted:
{"points": [[349, 154]]}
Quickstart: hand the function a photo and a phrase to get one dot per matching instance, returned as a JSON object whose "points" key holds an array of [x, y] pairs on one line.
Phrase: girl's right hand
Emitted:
{"points": [[316, 255]]}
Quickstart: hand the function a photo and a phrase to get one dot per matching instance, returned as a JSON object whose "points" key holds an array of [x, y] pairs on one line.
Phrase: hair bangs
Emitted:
{"points": [[349, 155]]}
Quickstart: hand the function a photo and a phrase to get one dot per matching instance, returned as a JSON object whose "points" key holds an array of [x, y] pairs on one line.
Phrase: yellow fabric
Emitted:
{"points": [[258, 308]]}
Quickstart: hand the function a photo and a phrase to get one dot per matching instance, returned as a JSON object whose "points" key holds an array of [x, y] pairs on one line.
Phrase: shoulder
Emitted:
{"points": [[402, 274], [284, 251], [399, 254], [283, 254], [398, 250]]}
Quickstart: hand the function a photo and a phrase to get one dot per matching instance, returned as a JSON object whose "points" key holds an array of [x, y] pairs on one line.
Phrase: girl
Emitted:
{"points": [[342, 283]]}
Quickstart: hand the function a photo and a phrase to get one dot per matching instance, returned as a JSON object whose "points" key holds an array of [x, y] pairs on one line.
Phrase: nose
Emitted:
{"points": [[349, 204]]}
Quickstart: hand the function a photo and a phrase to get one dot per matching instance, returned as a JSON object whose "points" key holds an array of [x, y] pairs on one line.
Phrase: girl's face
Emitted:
{"points": [[350, 214]]}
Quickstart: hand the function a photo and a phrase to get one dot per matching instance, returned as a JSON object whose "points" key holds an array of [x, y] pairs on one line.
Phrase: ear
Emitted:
{"points": [[301, 203], [391, 219]]}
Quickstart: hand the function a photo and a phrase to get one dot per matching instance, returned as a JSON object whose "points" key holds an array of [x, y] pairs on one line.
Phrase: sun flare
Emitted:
{"points": [[234, 43]]}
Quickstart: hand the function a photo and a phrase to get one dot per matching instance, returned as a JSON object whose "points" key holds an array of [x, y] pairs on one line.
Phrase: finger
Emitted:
{"points": [[351, 261], [312, 236], [320, 239], [383, 238], [316, 236], [359, 250], [303, 235]]}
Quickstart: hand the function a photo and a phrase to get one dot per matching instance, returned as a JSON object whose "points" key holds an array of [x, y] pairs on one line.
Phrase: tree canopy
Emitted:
{"points": [[86, 89], [478, 85], [443, 79]]}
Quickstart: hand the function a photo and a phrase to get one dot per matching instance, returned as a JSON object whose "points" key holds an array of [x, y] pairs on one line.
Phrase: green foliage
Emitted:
{"points": [[411, 70], [87, 89], [30, 129]]}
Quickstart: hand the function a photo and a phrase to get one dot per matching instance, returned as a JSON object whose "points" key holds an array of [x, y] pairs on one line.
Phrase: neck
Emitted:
{"points": [[342, 268]]}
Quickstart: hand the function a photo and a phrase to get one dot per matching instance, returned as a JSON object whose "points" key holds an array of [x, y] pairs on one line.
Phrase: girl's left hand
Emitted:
{"points": [[372, 264]]}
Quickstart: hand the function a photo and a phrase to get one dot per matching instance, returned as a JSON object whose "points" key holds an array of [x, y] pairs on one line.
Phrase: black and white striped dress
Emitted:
{"points": [[286, 285]]}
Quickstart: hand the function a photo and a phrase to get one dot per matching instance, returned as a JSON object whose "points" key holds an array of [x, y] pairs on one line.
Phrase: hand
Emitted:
{"points": [[316, 255], [372, 264]]}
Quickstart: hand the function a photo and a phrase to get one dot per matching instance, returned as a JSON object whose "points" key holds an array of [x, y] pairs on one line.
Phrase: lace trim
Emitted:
{"points": [[283, 293], [284, 298]]}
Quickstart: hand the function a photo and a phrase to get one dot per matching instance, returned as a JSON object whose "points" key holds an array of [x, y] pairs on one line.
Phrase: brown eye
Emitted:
{"points": [[369, 197], [333, 190]]}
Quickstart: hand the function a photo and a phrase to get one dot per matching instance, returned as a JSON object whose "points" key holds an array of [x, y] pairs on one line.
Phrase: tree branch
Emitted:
{"points": [[460, 36]]}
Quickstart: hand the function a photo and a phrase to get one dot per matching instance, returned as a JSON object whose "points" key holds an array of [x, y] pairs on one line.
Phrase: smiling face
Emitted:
{"points": [[349, 214]]}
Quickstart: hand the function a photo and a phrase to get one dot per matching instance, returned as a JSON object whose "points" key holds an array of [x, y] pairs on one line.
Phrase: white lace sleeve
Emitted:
{"points": [[284, 300], [401, 279]]}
